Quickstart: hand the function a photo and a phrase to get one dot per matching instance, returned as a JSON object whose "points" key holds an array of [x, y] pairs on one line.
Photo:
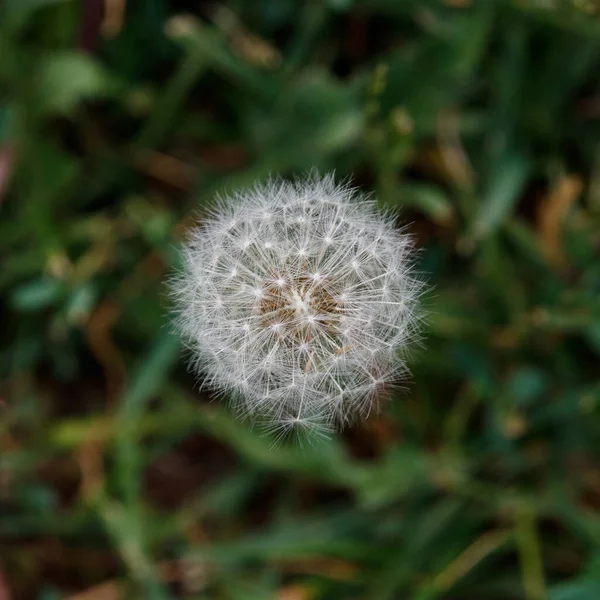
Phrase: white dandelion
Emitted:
{"points": [[298, 301]]}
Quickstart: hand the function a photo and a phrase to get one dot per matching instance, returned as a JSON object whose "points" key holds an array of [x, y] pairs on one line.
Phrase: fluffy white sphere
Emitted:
{"points": [[298, 300]]}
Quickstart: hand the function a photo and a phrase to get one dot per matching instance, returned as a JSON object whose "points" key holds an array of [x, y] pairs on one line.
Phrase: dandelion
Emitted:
{"points": [[298, 301]]}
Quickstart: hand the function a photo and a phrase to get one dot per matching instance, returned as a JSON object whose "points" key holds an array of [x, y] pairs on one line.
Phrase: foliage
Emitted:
{"points": [[480, 118]]}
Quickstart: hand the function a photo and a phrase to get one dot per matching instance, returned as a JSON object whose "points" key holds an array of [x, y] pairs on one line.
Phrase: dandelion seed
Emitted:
{"points": [[308, 329]]}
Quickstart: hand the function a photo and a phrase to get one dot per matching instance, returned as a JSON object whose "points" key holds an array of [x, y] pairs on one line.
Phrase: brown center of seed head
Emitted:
{"points": [[298, 305]]}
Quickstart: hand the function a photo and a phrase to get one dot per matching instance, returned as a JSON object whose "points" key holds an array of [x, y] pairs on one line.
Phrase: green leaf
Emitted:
{"points": [[150, 378], [526, 384], [38, 294], [315, 117], [575, 590], [67, 78], [502, 194], [429, 199]]}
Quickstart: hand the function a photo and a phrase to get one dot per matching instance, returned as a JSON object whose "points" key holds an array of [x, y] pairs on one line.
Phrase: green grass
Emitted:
{"points": [[481, 119]]}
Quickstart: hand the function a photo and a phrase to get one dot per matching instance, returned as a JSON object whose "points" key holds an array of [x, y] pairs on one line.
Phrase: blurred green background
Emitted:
{"points": [[119, 119]]}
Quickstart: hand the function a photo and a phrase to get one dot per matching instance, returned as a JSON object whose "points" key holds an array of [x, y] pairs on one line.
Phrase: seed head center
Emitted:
{"points": [[298, 305]]}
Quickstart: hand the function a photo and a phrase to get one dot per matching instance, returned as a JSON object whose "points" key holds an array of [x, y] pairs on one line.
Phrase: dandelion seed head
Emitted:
{"points": [[298, 300]]}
